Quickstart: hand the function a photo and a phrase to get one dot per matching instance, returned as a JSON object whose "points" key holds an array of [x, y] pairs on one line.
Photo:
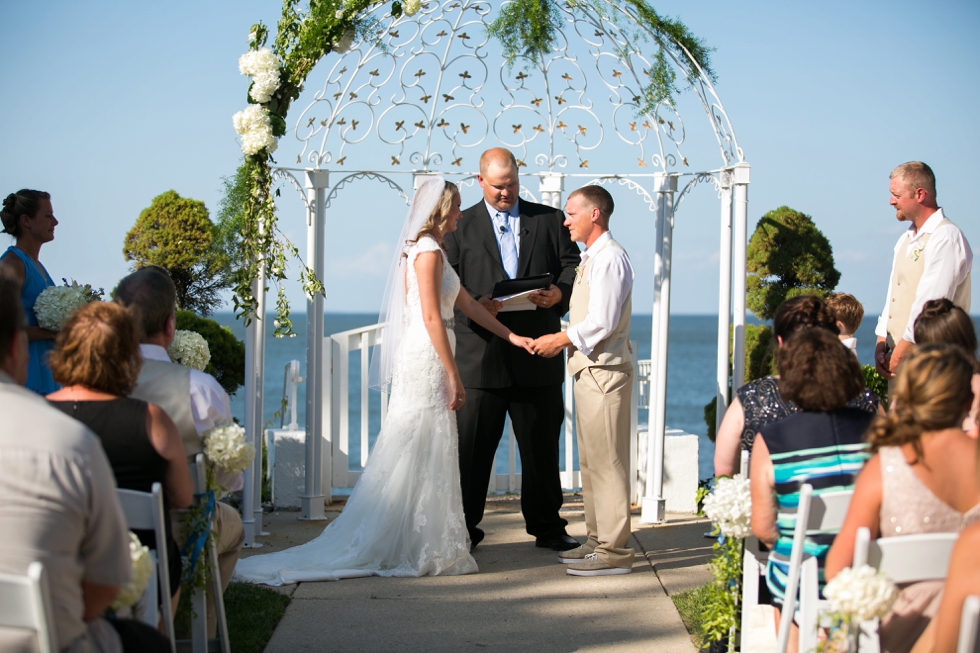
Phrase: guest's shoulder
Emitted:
{"points": [[29, 421]]}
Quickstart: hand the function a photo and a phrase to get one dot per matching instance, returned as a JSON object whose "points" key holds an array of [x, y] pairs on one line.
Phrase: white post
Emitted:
{"points": [[724, 297], [250, 429], [653, 506], [551, 185], [313, 498], [741, 207], [259, 419]]}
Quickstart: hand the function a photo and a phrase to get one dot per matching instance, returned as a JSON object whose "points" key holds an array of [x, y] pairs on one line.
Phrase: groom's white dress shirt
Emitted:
{"points": [[610, 279]]}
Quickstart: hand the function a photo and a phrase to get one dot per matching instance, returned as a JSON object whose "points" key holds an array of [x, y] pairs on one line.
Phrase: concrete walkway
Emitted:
{"points": [[522, 599]]}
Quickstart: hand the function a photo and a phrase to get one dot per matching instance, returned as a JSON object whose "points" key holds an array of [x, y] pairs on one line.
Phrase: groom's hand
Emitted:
{"points": [[546, 298], [491, 305], [551, 345]]}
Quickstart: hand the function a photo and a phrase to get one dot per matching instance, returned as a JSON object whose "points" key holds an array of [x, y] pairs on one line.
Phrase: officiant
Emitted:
{"points": [[499, 238]]}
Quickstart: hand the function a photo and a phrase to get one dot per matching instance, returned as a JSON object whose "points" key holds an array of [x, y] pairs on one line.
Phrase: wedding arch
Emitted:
{"points": [[421, 88]]}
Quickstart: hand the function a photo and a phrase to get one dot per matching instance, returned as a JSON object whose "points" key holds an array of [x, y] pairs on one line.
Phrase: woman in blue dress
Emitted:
{"points": [[28, 217]]}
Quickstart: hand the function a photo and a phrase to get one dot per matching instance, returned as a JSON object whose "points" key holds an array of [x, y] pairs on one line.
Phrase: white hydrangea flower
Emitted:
{"points": [[411, 7], [343, 45], [863, 593], [729, 506], [255, 129], [142, 563], [56, 303], [226, 448], [191, 349], [263, 67]]}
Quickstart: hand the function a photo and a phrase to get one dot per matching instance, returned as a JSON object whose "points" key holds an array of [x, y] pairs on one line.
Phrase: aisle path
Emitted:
{"points": [[521, 600]]}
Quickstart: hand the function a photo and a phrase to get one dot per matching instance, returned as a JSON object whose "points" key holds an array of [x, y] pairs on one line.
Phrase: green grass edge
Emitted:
{"points": [[252, 611], [691, 604]]}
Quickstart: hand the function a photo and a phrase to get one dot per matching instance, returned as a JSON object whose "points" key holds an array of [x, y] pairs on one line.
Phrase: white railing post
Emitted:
{"points": [[653, 505], [634, 426], [724, 298], [568, 479], [317, 181], [741, 207]]}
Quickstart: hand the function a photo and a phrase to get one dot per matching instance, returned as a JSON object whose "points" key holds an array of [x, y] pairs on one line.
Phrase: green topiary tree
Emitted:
{"points": [[787, 257], [176, 233], [227, 352]]}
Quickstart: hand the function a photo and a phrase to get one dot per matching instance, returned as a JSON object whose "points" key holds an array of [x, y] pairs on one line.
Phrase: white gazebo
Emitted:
{"points": [[426, 96]]}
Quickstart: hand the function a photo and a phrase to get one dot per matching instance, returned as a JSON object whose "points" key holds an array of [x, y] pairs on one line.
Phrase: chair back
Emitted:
{"points": [[906, 558], [198, 474], [744, 464], [25, 603], [969, 624]]}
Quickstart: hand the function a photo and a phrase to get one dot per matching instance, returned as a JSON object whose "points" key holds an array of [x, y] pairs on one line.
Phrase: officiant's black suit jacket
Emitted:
{"points": [[484, 360]]}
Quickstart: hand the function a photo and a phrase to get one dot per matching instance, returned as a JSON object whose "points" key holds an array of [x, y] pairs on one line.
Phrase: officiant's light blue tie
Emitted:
{"points": [[508, 245]]}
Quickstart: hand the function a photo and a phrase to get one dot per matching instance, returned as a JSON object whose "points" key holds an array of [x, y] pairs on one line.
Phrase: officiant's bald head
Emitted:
{"points": [[498, 178]]}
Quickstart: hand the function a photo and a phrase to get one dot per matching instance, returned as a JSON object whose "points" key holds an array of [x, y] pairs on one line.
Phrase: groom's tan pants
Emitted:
{"points": [[602, 417]]}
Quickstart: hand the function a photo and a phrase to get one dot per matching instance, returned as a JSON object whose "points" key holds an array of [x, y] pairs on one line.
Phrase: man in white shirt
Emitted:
{"points": [[194, 400], [600, 360], [932, 261]]}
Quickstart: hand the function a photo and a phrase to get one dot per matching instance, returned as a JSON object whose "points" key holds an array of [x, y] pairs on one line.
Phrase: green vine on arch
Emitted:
{"points": [[527, 30]]}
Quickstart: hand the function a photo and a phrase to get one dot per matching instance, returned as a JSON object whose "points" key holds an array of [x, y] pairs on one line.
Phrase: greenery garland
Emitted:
{"points": [[527, 30]]}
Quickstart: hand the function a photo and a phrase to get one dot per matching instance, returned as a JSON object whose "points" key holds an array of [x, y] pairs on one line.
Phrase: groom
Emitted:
{"points": [[504, 238]]}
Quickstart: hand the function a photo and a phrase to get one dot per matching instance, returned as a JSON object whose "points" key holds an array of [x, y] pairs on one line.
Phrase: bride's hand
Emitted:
{"points": [[522, 342], [457, 394]]}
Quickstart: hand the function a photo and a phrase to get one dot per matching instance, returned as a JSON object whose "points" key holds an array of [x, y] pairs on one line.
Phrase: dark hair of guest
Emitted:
{"points": [[152, 291], [802, 313], [817, 372], [23, 202]]}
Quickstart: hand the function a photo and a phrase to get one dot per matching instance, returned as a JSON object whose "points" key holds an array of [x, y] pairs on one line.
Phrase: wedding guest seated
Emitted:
{"points": [[58, 506], [943, 321], [759, 402], [921, 479], [194, 400], [849, 313], [96, 359], [821, 444]]}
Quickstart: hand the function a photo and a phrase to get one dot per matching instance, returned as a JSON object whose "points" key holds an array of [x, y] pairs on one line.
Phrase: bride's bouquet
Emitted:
{"points": [[56, 303], [189, 348], [142, 564], [225, 447]]}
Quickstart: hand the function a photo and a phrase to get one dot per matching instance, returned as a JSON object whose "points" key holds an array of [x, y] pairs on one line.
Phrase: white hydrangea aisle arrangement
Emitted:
{"points": [[856, 595], [56, 303], [225, 447], [189, 348], [131, 593], [729, 507]]}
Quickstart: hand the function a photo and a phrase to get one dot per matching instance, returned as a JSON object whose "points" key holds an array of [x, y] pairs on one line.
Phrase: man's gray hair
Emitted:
{"points": [[916, 174]]}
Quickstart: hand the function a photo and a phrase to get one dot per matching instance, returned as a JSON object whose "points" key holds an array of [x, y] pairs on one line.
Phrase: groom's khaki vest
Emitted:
{"points": [[168, 385], [909, 263], [615, 349]]}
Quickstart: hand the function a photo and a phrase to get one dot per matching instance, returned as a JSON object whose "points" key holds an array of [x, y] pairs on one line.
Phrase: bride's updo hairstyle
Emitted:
{"points": [[817, 372], [802, 313], [931, 393], [943, 321], [437, 219], [23, 202]]}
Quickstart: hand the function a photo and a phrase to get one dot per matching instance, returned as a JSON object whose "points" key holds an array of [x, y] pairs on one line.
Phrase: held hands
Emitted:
{"points": [[883, 360], [522, 342], [546, 298], [551, 345]]}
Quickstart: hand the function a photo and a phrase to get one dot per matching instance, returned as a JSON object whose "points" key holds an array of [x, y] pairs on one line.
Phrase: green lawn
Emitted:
{"points": [[691, 605], [253, 612]]}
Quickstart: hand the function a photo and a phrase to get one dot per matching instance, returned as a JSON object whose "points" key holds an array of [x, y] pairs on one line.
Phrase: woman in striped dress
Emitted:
{"points": [[822, 444]]}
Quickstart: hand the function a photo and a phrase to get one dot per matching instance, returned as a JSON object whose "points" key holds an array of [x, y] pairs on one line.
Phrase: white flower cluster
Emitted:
{"points": [[56, 303], [189, 348], [226, 448], [255, 129], [863, 593], [729, 506], [412, 7], [142, 563], [343, 44], [263, 67]]}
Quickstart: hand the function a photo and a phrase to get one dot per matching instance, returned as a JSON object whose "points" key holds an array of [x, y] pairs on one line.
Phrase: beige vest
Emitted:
{"points": [[908, 271], [168, 385], [615, 349]]}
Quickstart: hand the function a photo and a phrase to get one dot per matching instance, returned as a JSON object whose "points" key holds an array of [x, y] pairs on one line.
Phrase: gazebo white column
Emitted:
{"points": [[653, 506], [317, 181], [551, 186], [741, 207], [254, 386], [724, 297]]}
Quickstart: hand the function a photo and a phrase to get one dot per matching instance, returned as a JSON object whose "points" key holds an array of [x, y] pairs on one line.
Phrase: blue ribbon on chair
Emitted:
{"points": [[200, 529]]}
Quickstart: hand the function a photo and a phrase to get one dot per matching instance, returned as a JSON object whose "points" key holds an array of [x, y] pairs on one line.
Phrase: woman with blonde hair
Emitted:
{"points": [[921, 479], [405, 515]]}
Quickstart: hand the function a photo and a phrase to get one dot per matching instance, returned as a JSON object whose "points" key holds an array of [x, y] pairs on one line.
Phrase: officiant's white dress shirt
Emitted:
{"points": [[513, 223], [948, 259], [610, 280]]}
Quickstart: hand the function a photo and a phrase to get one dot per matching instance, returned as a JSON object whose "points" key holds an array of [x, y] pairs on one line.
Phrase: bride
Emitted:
{"points": [[405, 515]]}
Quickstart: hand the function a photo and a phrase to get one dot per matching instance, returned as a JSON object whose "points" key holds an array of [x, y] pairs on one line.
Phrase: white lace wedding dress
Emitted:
{"points": [[405, 515]]}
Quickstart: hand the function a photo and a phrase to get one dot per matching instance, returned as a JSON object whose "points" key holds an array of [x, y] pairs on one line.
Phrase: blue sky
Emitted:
{"points": [[108, 104]]}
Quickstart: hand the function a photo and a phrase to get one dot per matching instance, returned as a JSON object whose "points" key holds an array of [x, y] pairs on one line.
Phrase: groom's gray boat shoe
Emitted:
{"points": [[593, 566], [574, 555]]}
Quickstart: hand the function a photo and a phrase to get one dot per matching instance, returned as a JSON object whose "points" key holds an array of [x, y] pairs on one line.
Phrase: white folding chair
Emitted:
{"points": [[199, 627], [904, 559], [144, 511], [969, 625], [753, 566], [25, 603], [825, 512]]}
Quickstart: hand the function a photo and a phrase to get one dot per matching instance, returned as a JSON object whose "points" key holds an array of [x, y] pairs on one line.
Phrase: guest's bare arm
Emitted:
{"points": [[166, 440], [962, 580], [14, 266], [728, 441], [97, 598], [428, 270], [762, 485], [863, 511], [477, 311]]}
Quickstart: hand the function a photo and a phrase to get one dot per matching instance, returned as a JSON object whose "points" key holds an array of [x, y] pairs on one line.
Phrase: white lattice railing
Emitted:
{"points": [[337, 386]]}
